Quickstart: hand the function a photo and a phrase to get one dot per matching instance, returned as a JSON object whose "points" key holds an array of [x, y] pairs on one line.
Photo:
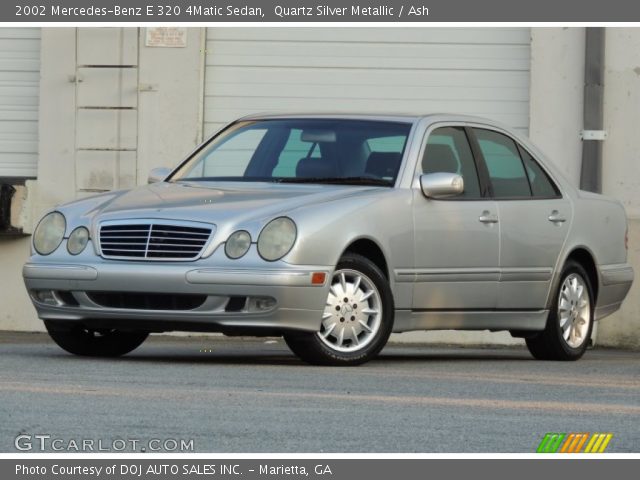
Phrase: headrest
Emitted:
{"points": [[439, 158], [310, 167], [383, 164]]}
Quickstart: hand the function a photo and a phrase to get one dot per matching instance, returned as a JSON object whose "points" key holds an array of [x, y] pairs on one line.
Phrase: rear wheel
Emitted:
{"points": [[80, 340], [357, 319], [570, 321]]}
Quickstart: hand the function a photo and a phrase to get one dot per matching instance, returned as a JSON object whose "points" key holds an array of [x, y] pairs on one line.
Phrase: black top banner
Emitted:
{"points": [[259, 11]]}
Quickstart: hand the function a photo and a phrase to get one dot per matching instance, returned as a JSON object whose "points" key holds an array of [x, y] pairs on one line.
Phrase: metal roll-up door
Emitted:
{"points": [[19, 93], [477, 71]]}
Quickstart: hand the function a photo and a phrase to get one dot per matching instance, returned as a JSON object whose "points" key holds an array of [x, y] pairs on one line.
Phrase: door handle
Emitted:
{"points": [[488, 217], [556, 217]]}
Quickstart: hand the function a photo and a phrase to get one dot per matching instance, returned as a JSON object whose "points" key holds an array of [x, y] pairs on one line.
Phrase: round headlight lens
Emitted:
{"points": [[277, 238], [49, 233], [78, 240], [237, 244]]}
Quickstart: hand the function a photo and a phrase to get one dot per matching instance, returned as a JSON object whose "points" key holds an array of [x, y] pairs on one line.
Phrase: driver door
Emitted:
{"points": [[456, 239]]}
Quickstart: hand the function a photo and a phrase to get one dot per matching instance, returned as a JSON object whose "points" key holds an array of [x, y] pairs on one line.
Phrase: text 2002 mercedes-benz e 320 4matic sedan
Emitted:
{"points": [[334, 231]]}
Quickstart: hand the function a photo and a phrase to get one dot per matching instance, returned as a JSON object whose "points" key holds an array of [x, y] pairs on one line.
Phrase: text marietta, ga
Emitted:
{"points": [[136, 470]]}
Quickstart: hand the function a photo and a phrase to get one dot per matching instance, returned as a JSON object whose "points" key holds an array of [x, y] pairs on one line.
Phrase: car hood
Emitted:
{"points": [[209, 201]]}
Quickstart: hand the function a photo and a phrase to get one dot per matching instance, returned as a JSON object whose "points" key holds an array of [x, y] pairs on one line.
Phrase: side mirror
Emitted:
{"points": [[441, 185], [158, 174]]}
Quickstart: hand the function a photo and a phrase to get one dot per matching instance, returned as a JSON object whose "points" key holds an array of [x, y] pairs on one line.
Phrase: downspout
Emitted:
{"points": [[593, 118], [202, 79]]}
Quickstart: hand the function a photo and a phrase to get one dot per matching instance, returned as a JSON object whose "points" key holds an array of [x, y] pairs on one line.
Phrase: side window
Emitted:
{"points": [[294, 150], [504, 164], [448, 150], [231, 158], [541, 184]]}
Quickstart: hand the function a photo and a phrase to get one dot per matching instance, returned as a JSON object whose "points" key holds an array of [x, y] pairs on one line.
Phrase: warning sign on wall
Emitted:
{"points": [[168, 37]]}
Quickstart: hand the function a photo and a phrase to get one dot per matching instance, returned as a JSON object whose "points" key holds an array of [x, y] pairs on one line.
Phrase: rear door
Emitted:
{"points": [[534, 220]]}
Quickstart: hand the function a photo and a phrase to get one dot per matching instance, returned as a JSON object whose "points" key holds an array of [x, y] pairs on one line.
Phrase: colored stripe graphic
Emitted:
{"points": [[581, 443], [573, 442], [550, 443], [598, 443], [568, 444]]}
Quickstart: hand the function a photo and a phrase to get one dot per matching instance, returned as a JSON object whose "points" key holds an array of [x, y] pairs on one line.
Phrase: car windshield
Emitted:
{"points": [[358, 152]]}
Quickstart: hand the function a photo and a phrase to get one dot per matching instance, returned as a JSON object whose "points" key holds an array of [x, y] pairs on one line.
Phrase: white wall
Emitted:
{"points": [[557, 80], [16, 312], [55, 171], [621, 166], [621, 156], [169, 103]]}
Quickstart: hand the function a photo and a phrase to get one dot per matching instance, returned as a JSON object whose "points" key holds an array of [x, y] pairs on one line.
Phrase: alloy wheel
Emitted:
{"points": [[574, 310], [353, 312]]}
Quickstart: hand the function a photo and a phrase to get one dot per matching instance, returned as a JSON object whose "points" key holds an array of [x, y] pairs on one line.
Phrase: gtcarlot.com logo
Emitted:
{"points": [[574, 443], [48, 443]]}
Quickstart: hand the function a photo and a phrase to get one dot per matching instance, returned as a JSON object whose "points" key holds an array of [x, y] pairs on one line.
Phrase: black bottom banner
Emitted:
{"points": [[335, 469]]}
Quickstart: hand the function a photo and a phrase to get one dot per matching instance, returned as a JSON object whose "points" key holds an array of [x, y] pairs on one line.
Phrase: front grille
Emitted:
{"points": [[147, 301], [153, 240]]}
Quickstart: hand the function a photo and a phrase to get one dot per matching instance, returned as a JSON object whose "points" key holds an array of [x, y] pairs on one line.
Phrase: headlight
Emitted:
{"points": [[49, 233], [277, 238], [78, 240], [237, 244]]}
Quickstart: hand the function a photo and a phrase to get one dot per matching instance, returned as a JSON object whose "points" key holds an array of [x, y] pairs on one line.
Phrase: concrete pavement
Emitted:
{"points": [[252, 395]]}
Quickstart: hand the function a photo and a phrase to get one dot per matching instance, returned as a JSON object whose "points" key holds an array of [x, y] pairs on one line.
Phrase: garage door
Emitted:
{"points": [[483, 71], [19, 85]]}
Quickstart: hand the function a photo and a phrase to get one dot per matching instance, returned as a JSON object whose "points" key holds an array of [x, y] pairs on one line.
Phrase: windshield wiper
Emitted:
{"points": [[224, 179], [337, 180], [373, 181]]}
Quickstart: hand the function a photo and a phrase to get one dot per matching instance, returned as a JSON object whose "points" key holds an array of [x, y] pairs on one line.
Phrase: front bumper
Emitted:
{"points": [[293, 302]]}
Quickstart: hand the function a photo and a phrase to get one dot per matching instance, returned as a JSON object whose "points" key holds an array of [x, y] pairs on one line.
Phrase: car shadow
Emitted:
{"points": [[284, 358]]}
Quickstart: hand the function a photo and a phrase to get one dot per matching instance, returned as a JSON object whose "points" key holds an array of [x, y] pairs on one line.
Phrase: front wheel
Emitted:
{"points": [[357, 319], [95, 342], [570, 321]]}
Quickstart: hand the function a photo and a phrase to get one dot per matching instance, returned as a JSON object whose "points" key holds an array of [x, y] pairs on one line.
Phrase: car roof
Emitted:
{"points": [[383, 117]]}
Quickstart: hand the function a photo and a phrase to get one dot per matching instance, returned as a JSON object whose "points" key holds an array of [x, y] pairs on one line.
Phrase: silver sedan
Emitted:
{"points": [[335, 231]]}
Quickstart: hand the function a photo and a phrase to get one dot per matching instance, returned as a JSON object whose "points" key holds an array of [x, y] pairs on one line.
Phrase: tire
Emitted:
{"points": [[357, 320], [95, 343], [570, 321]]}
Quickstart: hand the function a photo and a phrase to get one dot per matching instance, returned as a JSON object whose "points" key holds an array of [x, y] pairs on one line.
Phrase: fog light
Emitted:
{"points": [[260, 304], [45, 296]]}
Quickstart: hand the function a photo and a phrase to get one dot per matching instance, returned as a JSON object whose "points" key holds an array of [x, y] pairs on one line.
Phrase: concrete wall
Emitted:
{"points": [[169, 102], [16, 312], [557, 79], [621, 166]]}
